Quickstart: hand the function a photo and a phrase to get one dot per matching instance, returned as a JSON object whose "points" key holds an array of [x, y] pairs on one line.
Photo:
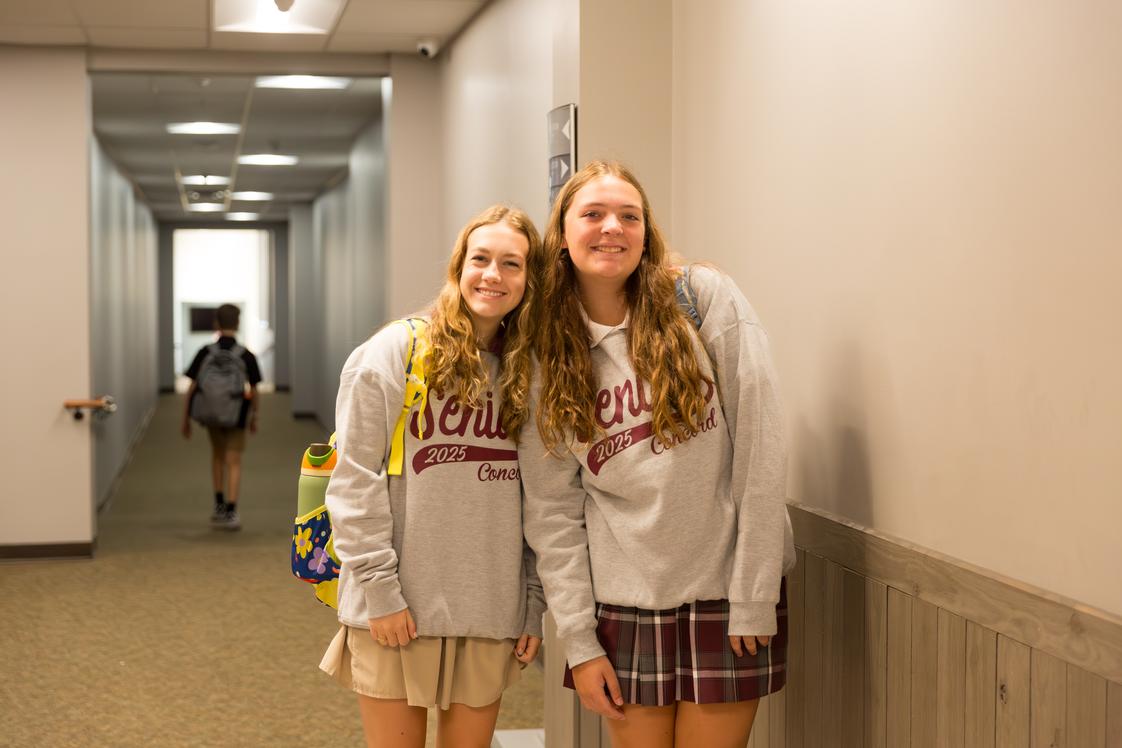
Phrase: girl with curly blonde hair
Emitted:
{"points": [[654, 475], [439, 602]]}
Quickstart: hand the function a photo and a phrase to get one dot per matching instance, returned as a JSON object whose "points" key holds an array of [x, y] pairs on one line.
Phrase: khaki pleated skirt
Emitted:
{"points": [[429, 671]]}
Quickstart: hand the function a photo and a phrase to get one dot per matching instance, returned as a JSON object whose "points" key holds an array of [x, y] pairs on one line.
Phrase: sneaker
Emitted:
{"points": [[218, 514], [230, 519]]}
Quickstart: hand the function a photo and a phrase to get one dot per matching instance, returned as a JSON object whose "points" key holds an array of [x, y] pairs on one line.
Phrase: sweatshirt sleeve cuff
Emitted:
{"points": [[752, 619], [535, 609], [383, 602], [582, 647]]}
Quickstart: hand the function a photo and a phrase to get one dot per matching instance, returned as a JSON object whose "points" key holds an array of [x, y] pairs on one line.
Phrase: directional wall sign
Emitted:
{"points": [[562, 147]]}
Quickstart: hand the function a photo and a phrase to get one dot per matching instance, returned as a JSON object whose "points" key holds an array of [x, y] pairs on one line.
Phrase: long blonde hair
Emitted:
{"points": [[455, 365], [659, 337]]}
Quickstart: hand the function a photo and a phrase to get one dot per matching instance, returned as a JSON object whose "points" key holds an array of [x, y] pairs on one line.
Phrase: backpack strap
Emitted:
{"points": [[687, 299], [416, 390]]}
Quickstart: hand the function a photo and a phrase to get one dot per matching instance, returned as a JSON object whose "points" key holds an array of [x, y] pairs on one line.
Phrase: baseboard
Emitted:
{"points": [[47, 550]]}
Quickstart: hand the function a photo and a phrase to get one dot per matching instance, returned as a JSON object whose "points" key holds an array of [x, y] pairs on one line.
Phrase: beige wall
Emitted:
{"points": [[496, 93], [45, 307], [921, 200], [624, 111], [416, 248]]}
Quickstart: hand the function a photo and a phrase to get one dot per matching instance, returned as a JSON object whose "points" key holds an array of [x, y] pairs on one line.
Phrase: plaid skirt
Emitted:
{"points": [[683, 654]]}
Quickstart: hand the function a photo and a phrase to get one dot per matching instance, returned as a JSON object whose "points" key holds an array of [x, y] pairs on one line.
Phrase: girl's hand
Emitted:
{"points": [[395, 630], [749, 644], [527, 648], [590, 679]]}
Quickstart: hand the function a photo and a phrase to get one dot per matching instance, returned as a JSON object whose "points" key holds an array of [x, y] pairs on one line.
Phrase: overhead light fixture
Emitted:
{"points": [[276, 16], [205, 180], [303, 81], [206, 207], [251, 195], [242, 216], [204, 128], [267, 159]]}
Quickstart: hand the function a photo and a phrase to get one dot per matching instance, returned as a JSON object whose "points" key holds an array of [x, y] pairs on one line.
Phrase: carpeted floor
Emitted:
{"points": [[178, 635]]}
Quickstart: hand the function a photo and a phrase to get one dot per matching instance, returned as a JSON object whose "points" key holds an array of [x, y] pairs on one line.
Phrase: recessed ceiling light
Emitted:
{"points": [[265, 17], [267, 159], [242, 216], [206, 207], [302, 81], [204, 128], [207, 180]]}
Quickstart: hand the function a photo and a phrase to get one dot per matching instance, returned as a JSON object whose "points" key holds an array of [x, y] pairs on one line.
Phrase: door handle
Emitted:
{"points": [[103, 405]]}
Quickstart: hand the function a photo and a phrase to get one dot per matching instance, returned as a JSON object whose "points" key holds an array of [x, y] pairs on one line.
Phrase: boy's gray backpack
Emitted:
{"points": [[220, 387]]}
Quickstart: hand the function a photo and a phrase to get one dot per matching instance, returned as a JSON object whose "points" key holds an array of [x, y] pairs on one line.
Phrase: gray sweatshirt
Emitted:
{"points": [[445, 537], [625, 521]]}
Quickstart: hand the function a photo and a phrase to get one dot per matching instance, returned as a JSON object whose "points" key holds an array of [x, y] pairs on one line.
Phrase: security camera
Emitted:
{"points": [[428, 48]]}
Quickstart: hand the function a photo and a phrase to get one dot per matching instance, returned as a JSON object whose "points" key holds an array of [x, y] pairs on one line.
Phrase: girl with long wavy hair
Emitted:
{"points": [[438, 598], [654, 474]]}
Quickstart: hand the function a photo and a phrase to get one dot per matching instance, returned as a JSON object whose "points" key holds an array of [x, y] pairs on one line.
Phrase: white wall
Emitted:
{"points": [[45, 304], [305, 308], [122, 262], [921, 199], [335, 240]]}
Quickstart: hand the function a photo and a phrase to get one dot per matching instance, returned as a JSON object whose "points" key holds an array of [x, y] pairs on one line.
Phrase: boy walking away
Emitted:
{"points": [[223, 398]]}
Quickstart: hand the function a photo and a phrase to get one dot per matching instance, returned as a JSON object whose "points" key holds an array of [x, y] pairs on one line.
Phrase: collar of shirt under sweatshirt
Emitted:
{"points": [[597, 332]]}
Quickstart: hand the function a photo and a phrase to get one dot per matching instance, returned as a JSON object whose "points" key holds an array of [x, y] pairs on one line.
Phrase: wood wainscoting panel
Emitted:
{"points": [[951, 705], [832, 646], [1013, 672], [925, 673], [814, 601], [777, 721], [1078, 634], [876, 664], [1049, 701], [761, 727], [980, 695], [899, 716], [853, 659], [1086, 709], [1113, 715], [795, 707]]}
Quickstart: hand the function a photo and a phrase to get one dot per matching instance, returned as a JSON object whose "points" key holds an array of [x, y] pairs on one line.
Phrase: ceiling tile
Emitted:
{"points": [[36, 13], [268, 42], [146, 38], [366, 42], [431, 17], [177, 14], [42, 35]]}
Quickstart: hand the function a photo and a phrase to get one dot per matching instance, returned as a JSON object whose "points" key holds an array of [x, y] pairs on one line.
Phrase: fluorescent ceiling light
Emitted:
{"points": [[265, 17], [206, 207], [206, 180], [302, 81], [242, 216], [267, 159], [204, 128], [251, 195]]}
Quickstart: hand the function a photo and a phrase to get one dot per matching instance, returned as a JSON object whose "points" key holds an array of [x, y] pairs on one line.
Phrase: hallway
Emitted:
{"points": [[176, 634]]}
